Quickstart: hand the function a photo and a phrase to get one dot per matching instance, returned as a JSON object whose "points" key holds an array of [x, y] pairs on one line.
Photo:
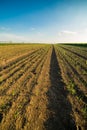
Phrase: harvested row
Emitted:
{"points": [[82, 52], [11, 52], [78, 57], [74, 74], [17, 88], [12, 61], [13, 76], [77, 90], [22, 60], [35, 112], [33, 101], [44, 89], [47, 99], [59, 107], [77, 70]]}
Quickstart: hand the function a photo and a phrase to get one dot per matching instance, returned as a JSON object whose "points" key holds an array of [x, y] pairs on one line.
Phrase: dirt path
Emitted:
{"points": [[58, 105]]}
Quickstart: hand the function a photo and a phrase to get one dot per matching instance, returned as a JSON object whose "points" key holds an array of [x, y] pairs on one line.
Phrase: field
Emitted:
{"points": [[43, 87]]}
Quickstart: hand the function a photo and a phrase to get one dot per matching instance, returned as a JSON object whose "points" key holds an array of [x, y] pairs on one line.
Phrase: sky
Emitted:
{"points": [[46, 21]]}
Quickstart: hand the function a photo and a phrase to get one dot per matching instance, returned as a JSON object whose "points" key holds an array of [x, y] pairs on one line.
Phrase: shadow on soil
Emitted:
{"points": [[59, 107]]}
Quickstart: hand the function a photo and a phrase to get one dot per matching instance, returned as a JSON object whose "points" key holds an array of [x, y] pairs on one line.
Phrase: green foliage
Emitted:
{"points": [[84, 111], [71, 88], [16, 114]]}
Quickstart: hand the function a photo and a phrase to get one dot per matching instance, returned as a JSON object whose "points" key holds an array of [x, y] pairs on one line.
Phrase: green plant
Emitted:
{"points": [[84, 111], [71, 88]]}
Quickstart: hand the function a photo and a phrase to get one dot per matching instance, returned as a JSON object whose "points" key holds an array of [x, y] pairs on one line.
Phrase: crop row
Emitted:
{"points": [[75, 84], [16, 89]]}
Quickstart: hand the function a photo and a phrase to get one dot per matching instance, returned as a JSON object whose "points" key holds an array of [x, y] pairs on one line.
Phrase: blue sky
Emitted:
{"points": [[43, 20]]}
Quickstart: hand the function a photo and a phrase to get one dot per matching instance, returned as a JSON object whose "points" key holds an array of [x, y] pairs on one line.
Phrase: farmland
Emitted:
{"points": [[43, 87]]}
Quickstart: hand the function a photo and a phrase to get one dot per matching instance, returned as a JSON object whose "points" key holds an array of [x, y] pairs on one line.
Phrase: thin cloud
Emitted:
{"points": [[38, 36], [32, 29], [67, 32], [4, 29], [40, 33], [12, 37]]}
